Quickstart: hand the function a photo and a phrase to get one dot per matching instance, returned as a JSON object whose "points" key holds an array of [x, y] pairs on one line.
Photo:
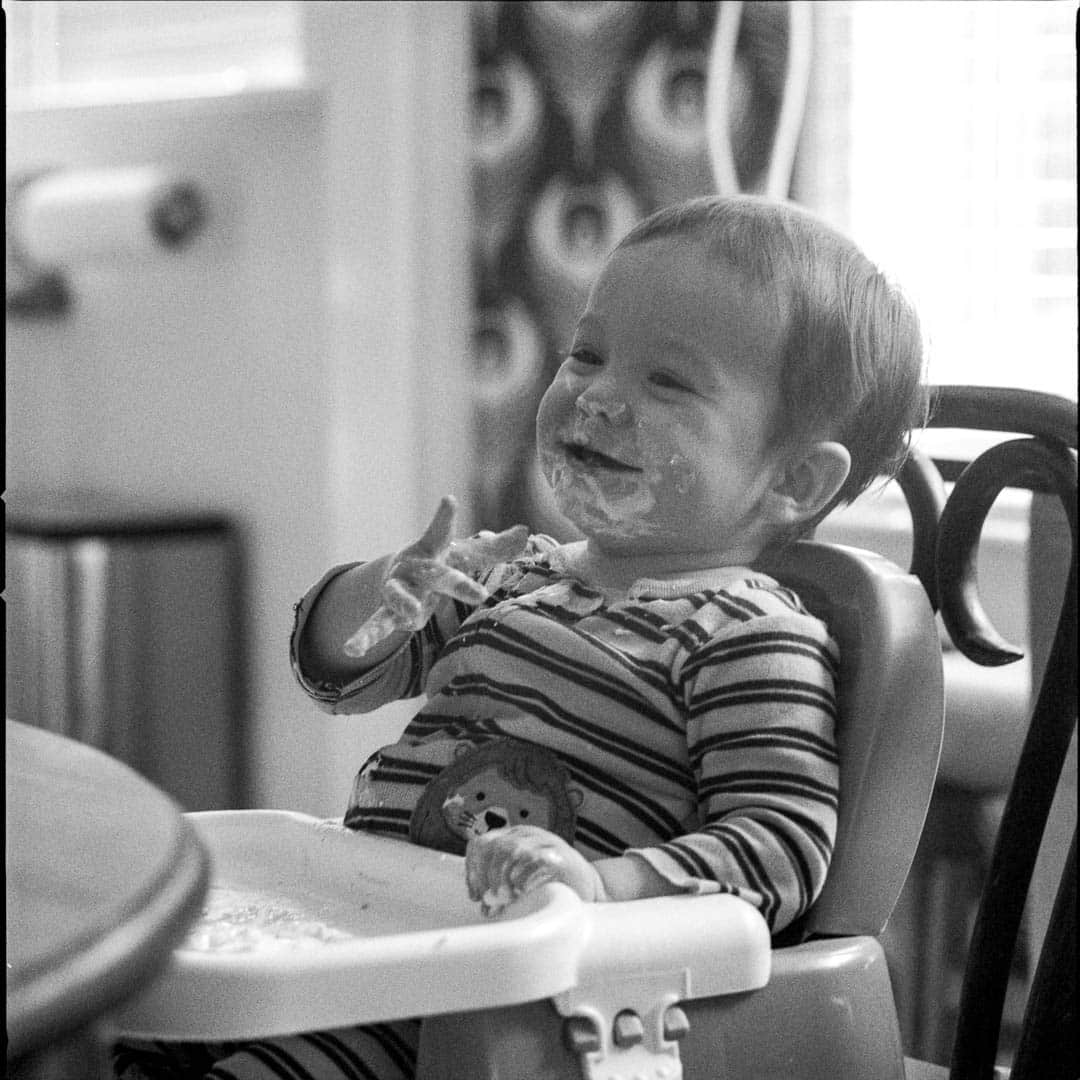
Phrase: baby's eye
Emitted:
{"points": [[585, 356], [523, 813], [667, 381], [480, 796]]}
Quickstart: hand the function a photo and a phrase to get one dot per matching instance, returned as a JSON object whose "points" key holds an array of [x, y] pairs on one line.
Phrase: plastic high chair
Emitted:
{"points": [[826, 1010], [657, 988]]}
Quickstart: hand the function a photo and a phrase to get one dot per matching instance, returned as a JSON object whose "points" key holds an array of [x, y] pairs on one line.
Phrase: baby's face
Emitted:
{"points": [[654, 432]]}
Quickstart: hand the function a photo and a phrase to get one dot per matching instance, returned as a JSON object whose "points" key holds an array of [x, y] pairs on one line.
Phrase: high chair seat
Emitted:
{"points": [[828, 1008]]}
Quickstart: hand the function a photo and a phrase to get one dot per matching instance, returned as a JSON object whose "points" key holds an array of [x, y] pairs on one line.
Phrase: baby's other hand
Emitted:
{"points": [[430, 567], [504, 864]]}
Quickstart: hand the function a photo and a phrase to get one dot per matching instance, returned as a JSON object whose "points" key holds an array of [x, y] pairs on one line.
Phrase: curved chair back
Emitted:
{"points": [[1045, 462], [891, 716]]}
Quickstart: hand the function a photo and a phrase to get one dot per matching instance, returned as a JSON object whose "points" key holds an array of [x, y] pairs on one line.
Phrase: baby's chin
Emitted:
{"points": [[623, 533], [617, 509]]}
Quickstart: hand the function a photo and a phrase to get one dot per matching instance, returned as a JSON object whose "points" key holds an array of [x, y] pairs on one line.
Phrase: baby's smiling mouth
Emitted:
{"points": [[595, 459]]}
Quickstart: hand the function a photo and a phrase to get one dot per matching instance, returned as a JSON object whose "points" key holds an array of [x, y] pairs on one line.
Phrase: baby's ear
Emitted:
{"points": [[807, 482]]}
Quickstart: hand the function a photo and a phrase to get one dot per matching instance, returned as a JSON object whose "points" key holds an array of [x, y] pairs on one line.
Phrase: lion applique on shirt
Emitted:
{"points": [[498, 783], [445, 791]]}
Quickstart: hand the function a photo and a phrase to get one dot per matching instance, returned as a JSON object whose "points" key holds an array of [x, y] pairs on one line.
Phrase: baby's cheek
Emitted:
{"points": [[674, 476], [680, 473], [555, 406], [670, 467]]}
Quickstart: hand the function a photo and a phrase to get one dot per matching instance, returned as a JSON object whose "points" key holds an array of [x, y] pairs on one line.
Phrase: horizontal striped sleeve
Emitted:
{"points": [[400, 676], [760, 698]]}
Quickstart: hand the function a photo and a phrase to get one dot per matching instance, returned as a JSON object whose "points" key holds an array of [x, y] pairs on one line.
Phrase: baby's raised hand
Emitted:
{"points": [[430, 567], [504, 864]]}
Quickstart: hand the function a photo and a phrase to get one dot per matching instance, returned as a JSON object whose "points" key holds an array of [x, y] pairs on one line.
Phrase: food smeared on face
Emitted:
{"points": [[653, 434]]}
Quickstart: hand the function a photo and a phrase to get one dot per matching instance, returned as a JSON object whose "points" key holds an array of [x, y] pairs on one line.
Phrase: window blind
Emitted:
{"points": [[963, 178]]}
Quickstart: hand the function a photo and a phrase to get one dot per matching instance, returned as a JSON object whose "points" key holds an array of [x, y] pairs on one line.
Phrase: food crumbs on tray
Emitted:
{"points": [[233, 921]]}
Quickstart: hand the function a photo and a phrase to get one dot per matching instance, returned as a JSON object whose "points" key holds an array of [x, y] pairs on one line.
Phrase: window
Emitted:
{"points": [[963, 178], [79, 51]]}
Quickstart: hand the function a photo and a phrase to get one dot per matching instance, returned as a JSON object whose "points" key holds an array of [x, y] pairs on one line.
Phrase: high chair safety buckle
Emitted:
{"points": [[628, 1042]]}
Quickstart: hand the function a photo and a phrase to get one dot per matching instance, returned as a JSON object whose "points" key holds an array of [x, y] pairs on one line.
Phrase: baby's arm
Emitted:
{"points": [[766, 766], [343, 603], [366, 613], [504, 864]]}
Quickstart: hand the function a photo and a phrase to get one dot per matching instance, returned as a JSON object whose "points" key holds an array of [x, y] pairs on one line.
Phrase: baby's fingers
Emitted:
{"points": [[376, 628], [486, 857], [476, 859], [440, 531], [459, 586], [494, 859], [484, 550], [508, 544]]}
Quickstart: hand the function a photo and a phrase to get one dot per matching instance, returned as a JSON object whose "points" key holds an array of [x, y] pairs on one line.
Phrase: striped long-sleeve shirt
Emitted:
{"points": [[688, 722]]}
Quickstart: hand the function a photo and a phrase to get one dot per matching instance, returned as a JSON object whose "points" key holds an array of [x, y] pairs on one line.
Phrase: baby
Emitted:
{"points": [[641, 711]]}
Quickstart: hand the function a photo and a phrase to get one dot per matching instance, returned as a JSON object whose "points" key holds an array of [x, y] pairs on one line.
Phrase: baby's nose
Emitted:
{"points": [[612, 408]]}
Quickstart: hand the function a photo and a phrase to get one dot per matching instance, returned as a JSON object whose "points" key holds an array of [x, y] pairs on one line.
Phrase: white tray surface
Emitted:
{"points": [[309, 926]]}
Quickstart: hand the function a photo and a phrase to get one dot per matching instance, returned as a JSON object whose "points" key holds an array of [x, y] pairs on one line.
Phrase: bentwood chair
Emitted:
{"points": [[945, 558]]}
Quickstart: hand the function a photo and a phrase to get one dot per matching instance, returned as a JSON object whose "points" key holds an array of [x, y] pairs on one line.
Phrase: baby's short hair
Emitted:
{"points": [[852, 355]]}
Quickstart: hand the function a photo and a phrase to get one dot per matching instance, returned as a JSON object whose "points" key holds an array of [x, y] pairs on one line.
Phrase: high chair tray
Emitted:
{"points": [[309, 925]]}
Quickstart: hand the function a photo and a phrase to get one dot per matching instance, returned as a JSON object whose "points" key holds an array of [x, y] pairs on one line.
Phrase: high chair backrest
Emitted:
{"points": [[891, 715]]}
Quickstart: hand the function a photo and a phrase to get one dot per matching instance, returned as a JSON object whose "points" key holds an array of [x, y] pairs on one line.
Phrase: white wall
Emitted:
{"points": [[301, 365], [395, 78]]}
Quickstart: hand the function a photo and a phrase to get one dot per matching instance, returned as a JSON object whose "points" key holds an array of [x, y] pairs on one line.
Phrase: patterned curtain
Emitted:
{"points": [[586, 117]]}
